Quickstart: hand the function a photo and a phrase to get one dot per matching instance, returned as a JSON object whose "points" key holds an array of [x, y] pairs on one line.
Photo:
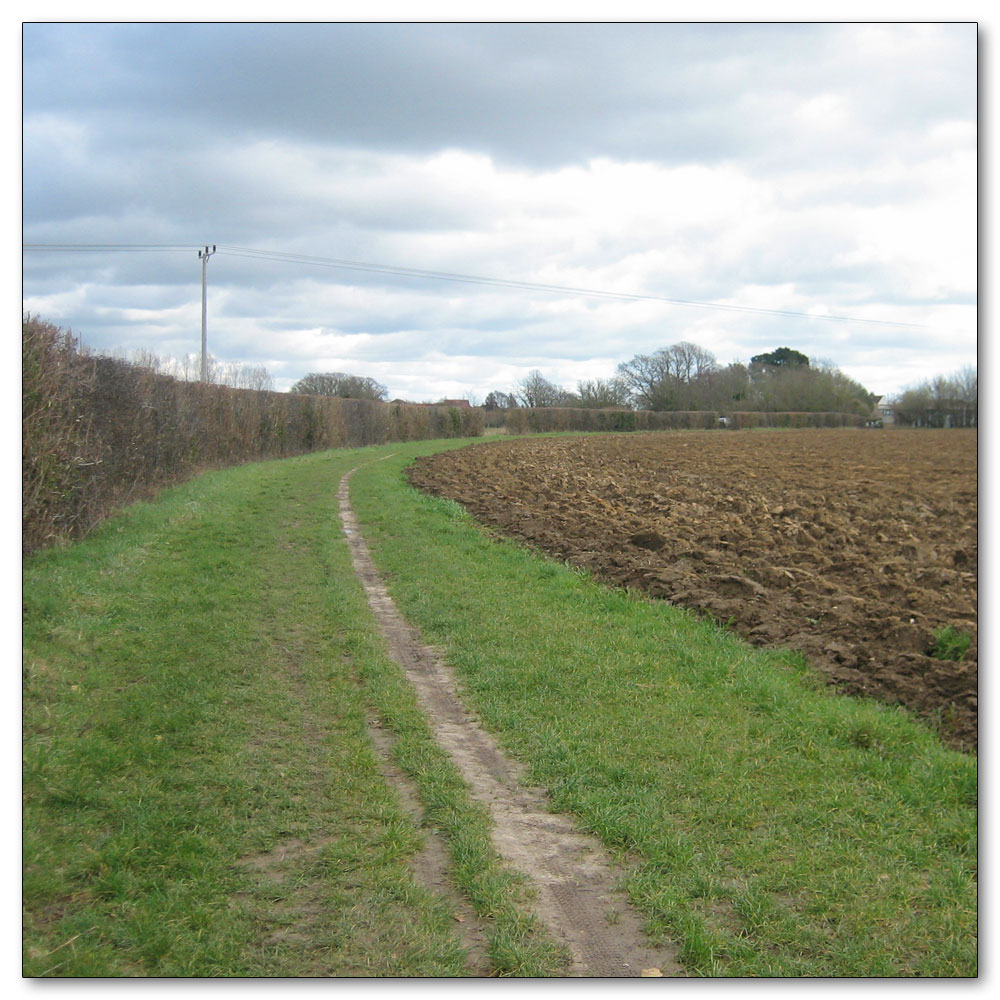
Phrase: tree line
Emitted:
{"points": [[686, 377], [943, 401], [242, 376], [234, 374], [339, 384], [682, 377]]}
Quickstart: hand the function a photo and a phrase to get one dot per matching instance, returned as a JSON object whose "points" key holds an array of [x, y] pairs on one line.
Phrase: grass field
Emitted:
{"points": [[202, 799]]}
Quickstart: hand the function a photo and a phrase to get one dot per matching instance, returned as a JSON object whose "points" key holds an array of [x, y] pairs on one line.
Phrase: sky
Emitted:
{"points": [[816, 169], [742, 186]]}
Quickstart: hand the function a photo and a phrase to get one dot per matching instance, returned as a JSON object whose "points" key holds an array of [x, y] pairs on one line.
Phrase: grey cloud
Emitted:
{"points": [[538, 94], [302, 138]]}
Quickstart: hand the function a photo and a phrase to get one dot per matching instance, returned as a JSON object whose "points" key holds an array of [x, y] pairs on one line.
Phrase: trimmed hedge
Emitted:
{"points": [[537, 421], [99, 432], [741, 420]]}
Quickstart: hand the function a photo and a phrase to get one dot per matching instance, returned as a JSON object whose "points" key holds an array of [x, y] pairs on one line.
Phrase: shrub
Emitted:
{"points": [[98, 432], [525, 420]]}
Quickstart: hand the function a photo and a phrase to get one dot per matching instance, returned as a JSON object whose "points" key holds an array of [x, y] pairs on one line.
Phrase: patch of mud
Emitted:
{"points": [[578, 898], [298, 914], [852, 546]]}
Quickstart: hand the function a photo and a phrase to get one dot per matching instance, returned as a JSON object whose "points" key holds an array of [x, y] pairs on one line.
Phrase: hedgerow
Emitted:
{"points": [[98, 432]]}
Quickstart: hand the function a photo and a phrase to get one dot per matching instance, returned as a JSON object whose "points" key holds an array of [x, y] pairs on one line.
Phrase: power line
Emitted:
{"points": [[279, 256], [355, 265]]}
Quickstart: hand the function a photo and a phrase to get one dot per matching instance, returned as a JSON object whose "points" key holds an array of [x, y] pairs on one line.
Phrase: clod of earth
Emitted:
{"points": [[651, 540]]}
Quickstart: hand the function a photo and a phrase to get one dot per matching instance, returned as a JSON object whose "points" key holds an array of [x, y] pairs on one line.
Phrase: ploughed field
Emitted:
{"points": [[852, 546]]}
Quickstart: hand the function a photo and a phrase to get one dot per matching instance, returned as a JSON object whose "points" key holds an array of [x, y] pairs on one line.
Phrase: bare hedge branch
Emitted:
{"points": [[98, 432]]}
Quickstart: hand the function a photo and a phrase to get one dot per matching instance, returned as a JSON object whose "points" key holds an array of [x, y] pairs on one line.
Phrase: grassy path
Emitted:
{"points": [[577, 892], [202, 798]]}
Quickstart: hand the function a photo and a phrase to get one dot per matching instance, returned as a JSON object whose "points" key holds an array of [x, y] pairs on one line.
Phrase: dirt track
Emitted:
{"points": [[852, 546], [578, 894]]}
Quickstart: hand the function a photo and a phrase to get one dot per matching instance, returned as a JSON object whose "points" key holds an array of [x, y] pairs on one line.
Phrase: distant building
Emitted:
{"points": [[461, 404], [883, 413]]}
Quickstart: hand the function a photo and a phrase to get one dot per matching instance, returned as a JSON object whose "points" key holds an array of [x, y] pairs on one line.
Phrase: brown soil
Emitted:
{"points": [[852, 546]]}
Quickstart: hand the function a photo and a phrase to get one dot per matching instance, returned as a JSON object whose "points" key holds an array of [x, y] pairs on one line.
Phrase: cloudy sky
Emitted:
{"points": [[742, 186]]}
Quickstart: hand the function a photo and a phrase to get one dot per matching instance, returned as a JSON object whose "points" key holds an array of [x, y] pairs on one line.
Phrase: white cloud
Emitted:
{"points": [[818, 169]]}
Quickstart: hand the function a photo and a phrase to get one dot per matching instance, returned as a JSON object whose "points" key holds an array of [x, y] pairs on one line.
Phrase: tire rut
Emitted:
{"points": [[430, 866], [578, 898]]}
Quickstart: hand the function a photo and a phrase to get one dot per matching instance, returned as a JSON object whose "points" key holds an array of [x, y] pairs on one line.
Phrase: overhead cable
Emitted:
{"points": [[415, 272]]}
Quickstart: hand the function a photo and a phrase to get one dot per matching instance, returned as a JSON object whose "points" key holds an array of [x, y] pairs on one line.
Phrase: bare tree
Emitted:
{"points": [[944, 401], [240, 376], [966, 382], [601, 393], [339, 384], [144, 358], [535, 390], [188, 368], [672, 378]]}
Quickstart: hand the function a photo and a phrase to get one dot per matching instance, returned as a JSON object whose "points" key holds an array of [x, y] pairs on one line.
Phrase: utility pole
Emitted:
{"points": [[204, 255]]}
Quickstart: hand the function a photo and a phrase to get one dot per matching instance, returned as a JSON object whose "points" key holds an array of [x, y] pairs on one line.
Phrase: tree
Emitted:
{"points": [[810, 388], [848, 396], [601, 393], [966, 383], [535, 390], [783, 357], [339, 384], [144, 358], [943, 401], [241, 376], [672, 378], [500, 401], [732, 388], [188, 369]]}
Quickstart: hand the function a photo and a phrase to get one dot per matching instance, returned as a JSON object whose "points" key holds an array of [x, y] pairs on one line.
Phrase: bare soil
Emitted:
{"points": [[852, 546]]}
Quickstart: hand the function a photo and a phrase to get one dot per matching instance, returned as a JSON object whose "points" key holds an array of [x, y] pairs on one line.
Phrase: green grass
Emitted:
{"points": [[950, 643], [771, 827], [201, 798]]}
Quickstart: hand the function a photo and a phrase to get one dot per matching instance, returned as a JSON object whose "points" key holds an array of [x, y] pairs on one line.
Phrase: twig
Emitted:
{"points": [[63, 945]]}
